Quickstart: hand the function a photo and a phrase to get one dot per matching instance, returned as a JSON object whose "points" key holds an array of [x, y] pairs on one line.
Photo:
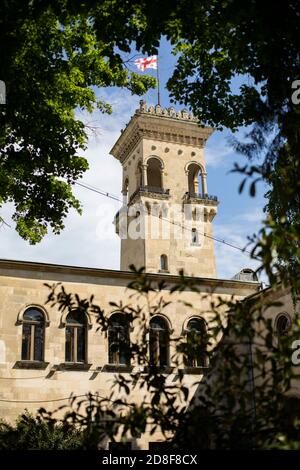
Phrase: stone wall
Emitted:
{"points": [[22, 285]]}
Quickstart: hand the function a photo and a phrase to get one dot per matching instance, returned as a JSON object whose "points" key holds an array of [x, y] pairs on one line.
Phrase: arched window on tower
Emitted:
{"points": [[195, 180], [164, 263], [148, 207], [159, 338], [33, 335], [196, 335], [195, 237], [154, 173], [76, 337], [118, 340]]}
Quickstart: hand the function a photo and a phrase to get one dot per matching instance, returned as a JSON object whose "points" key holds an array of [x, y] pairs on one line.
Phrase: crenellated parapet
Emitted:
{"points": [[160, 124], [165, 112], [165, 195]]}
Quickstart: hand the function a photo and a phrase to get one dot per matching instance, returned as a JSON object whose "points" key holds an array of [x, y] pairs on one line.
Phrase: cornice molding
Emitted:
{"points": [[41, 271], [165, 125]]}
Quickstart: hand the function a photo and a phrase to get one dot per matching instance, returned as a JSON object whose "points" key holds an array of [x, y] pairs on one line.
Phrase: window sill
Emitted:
{"points": [[117, 368], [31, 365], [75, 366], [164, 271]]}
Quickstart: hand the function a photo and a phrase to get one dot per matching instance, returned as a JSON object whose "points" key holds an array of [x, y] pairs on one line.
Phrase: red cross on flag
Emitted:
{"points": [[146, 63]]}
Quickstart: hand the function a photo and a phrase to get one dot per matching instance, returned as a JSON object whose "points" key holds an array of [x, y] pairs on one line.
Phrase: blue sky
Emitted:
{"points": [[89, 240]]}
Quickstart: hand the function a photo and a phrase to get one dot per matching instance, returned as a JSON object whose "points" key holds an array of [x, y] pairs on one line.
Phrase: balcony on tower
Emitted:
{"points": [[149, 177], [206, 199], [149, 191], [164, 188]]}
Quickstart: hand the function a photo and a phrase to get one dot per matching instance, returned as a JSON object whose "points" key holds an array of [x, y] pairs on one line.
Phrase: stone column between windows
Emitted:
{"points": [[204, 185], [162, 178], [144, 174]]}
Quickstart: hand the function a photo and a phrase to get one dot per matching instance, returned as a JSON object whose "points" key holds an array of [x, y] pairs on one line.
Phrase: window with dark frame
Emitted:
{"points": [[76, 337], [33, 335], [154, 173], [164, 263], [159, 338], [118, 340], [197, 343], [283, 324], [195, 237]]}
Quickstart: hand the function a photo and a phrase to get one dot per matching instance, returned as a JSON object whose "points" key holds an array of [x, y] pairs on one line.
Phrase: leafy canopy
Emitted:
{"points": [[53, 59], [54, 54]]}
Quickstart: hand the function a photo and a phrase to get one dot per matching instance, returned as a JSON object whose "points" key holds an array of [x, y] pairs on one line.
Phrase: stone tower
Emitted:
{"points": [[165, 223]]}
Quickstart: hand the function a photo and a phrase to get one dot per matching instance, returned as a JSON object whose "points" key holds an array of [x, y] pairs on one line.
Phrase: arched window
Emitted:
{"points": [[159, 342], [76, 337], [282, 324], [195, 237], [194, 180], [154, 173], [33, 335], [148, 207], [118, 340], [196, 343], [164, 263]]}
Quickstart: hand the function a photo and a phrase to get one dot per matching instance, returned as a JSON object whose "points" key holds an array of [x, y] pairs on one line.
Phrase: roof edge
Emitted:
{"points": [[101, 273]]}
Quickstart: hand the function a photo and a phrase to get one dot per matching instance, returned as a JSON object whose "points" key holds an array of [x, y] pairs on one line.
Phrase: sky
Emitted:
{"points": [[89, 240]]}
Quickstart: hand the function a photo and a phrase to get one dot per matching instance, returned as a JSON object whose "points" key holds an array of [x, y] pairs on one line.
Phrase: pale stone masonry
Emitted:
{"points": [[22, 284], [164, 184], [162, 156]]}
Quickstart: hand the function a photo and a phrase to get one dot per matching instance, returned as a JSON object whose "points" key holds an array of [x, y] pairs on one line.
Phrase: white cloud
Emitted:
{"points": [[90, 240], [219, 149], [216, 156], [231, 260], [257, 215], [83, 242]]}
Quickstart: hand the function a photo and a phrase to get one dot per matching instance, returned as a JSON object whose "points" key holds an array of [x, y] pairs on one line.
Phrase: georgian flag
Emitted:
{"points": [[146, 63]]}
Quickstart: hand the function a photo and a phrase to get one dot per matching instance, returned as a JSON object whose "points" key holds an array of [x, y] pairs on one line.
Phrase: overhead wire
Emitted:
{"points": [[116, 198]]}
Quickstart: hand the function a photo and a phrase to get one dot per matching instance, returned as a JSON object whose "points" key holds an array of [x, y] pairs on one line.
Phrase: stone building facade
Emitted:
{"points": [[49, 380], [46, 356]]}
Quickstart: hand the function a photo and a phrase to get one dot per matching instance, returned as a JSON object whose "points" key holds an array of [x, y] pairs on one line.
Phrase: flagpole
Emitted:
{"points": [[158, 91]]}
